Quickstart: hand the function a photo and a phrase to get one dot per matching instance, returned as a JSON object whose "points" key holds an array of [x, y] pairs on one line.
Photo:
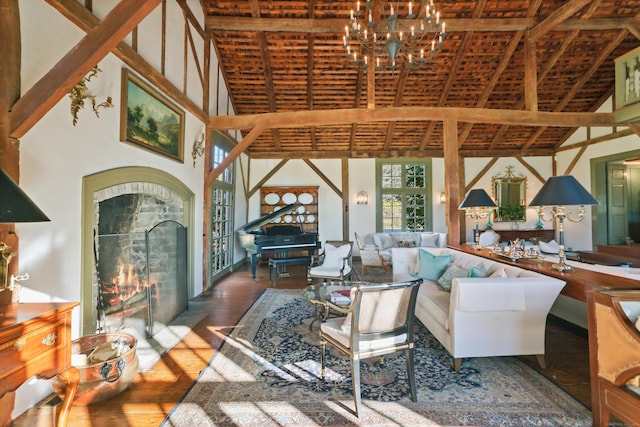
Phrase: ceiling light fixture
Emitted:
{"points": [[404, 32]]}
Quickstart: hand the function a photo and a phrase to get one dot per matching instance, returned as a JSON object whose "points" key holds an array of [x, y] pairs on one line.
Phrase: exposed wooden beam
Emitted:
{"points": [[556, 18], [234, 153], [298, 119], [480, 174], [383, 154], [56, 83], [324, 177], [86, 21], [530, 168], [452, 180], [267, 177], [336, 25], [596, 140]]}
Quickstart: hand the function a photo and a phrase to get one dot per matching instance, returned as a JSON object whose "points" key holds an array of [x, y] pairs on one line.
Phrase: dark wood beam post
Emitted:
{"points": [[452, 180], [10, 52]]}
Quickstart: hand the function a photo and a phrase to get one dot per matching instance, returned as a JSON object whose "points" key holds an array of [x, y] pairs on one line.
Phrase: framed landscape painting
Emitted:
{"points": [[150, 120]]}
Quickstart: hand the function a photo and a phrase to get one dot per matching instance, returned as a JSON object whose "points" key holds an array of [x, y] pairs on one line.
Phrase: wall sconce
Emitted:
{"points": [[198, 147], [362, 198], [443, 198], [15, 206], [78, 95]]}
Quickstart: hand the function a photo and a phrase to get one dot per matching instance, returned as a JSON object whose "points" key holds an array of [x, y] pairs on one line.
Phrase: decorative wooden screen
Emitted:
{"points": [[275, 198]]}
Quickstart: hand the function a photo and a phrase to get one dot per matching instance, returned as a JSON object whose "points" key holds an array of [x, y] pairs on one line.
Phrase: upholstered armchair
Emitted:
{"points": [[370, 256], [333, 262], [378, 321]]}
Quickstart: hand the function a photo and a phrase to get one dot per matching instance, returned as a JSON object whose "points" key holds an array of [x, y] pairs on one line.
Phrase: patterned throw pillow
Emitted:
{"points": [[449, 274], [430, 266], [406, 244]]}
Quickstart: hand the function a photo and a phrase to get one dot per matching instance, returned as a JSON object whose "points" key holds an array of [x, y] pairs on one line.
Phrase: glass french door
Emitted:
{"points": [[221, 238]]}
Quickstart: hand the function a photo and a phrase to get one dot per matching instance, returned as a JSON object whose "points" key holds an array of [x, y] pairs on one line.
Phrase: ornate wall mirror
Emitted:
{"points": [[509, 193]]}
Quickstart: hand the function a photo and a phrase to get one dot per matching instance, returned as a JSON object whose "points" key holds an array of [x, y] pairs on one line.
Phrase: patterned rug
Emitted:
{"points": [[267, 374]]}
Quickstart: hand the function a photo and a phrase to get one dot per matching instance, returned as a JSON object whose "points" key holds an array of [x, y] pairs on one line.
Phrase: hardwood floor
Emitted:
{"points": [[154, 393]]}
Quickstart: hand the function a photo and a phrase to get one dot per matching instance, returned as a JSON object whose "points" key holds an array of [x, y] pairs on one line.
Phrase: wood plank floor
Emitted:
{"points": [[154, 393]]}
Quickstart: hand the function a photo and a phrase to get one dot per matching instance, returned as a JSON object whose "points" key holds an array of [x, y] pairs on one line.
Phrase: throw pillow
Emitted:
{"points": [[406, 244], [382, 241], [449, 274], [478, 271], [429, 240], [549, 248], [499, 273], [430, 266], [334, 256]]}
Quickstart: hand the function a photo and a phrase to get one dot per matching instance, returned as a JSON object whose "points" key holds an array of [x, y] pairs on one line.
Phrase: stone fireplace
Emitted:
{"points": [[138, 241]]}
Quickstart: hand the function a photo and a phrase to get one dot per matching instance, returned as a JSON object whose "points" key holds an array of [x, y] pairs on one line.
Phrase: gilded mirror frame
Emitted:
{"points": [[509, 193]]}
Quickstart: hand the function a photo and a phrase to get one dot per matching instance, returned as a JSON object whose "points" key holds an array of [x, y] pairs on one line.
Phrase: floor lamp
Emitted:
{"points": [[557, 193], [15, 206], [477, 204]]}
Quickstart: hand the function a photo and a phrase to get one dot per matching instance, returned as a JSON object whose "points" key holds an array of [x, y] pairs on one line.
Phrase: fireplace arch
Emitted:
{"points": [[154, 184]]}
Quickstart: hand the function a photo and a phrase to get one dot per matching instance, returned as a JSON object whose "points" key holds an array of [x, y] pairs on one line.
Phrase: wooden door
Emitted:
{"points": [[618, 224]]}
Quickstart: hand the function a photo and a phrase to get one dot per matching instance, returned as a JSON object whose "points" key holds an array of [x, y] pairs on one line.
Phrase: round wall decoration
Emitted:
{"points": [[271, 199], [305, 198], [289, 198]]}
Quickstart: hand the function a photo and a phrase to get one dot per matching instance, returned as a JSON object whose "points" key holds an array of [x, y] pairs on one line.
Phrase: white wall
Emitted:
{"points": [[55, 156]]}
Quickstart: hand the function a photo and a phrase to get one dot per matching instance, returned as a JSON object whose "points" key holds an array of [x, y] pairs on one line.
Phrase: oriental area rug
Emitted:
{"points": [[267, 373]]}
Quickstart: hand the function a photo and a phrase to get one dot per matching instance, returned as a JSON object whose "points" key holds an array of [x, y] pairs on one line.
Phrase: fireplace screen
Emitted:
{"points": [[142, 278]]}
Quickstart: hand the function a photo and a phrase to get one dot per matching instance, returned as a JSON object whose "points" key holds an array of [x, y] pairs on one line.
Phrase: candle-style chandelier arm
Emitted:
{"points": [[561, 211], [387, 35]]}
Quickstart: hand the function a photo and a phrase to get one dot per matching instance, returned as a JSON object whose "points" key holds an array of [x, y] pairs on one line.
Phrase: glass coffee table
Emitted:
{"points": [[319, 295]]}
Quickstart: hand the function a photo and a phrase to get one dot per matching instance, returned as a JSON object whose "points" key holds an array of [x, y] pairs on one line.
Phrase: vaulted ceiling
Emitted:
{"points": [[517, 76]]}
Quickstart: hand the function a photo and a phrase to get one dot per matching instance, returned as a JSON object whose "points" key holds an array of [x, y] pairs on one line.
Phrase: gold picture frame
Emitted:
{"points": [[150, 120]]}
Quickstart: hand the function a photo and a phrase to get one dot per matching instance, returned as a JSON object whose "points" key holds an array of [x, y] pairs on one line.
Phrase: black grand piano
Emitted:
{"points": [[276, 238]]}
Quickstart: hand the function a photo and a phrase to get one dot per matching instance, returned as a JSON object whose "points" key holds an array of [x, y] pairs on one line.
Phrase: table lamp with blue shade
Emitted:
{"points": [[15, 206], [477, 204], [556, 193]]}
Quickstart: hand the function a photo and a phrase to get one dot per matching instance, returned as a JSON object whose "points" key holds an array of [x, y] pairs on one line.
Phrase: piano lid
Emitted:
{"points": [[257, 223]]}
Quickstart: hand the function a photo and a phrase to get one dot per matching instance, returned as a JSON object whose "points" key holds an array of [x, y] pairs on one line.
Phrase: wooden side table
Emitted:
{"points": [[35, 340]]}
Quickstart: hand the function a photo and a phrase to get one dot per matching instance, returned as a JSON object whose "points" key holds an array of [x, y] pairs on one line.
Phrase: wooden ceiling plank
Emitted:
{"points": [[560, 15], [85, 20], [530, 75], [58, 81], [336, 25], [297, 119], [381, 154], [604, 54]]}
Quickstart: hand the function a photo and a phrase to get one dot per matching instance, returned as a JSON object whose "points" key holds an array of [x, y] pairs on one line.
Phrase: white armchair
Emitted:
{"points": [[334, 262], [370, 256]]}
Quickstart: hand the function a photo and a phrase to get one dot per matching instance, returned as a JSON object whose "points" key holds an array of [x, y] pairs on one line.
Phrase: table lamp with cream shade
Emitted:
{"points": [[558, 192], [15, 206]]}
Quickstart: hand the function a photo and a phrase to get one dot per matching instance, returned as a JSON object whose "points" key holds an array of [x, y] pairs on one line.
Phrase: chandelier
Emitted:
{"points": [[392, 39]]}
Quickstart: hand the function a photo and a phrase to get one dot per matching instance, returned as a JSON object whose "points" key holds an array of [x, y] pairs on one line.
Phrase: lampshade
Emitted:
{"points": [[477, 198], [563, 191], [15, 205]]}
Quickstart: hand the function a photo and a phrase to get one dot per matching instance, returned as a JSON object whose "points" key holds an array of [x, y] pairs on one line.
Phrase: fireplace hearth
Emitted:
{"points": [[140, 250]]}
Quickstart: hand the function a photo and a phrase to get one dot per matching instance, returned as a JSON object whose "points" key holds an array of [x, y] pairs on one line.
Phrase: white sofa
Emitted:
{"points": [[502, 314], [385, 242]]}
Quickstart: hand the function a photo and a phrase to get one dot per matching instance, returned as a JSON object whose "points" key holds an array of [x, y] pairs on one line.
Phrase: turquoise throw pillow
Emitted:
{"points": [[478, 271], [431, 266]]}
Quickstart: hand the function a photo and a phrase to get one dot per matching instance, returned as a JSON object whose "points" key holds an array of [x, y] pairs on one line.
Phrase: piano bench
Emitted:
{"points": [[276, 263]]}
